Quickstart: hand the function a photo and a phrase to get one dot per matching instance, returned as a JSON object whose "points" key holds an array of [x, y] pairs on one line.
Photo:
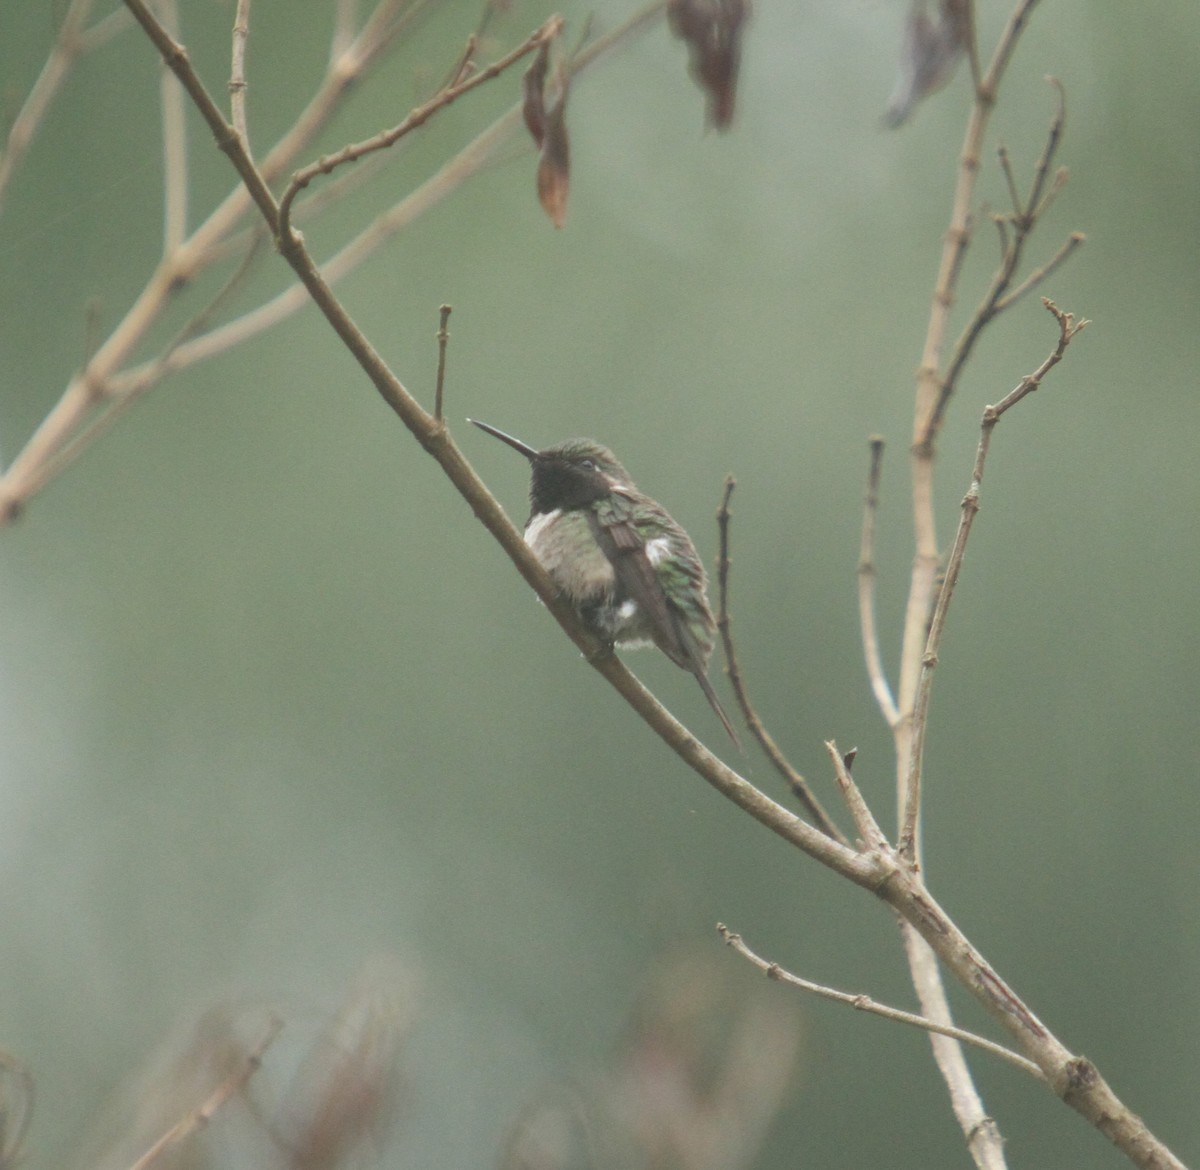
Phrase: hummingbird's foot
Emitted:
{"points": [[604, 650]]}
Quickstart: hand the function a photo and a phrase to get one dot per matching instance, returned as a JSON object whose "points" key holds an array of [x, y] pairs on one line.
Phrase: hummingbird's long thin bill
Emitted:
{"points": [[515, 444]]}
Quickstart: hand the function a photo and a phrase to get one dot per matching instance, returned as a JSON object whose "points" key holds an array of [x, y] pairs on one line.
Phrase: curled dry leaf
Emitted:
{"points": [[932, 49], [548, 127], [712, 30], [554, 167], [534, 105]]}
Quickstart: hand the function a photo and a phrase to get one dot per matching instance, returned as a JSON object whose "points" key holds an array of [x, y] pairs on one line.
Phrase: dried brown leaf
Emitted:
{"points": [[534, 84], [712, 30], [554, 166]]}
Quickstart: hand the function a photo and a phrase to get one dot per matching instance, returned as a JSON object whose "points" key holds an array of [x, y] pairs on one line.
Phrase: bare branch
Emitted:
{"points": [[175, 163], [237, 72], [864, 1003], [872, 836], [204, 1113], [1039, 274], [68, 46], [418, 117], [443, 337], [1023, 219], [983, 1138], [1068, 327], [798, 785], [866, 590]]}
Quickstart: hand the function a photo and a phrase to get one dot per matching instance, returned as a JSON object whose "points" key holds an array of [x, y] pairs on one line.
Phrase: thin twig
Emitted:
{"points": [[866, 590], [416, 118], [175, 160], [1074, 240], [103, 31], [237, 73], [795, 782], [872, 836], [119, 400], [68, 46], [1010, 179], [864, 1003], [443, 336], [1023, 218], [1068, 327], [465, 65], [475, 157], [199, 1117]]}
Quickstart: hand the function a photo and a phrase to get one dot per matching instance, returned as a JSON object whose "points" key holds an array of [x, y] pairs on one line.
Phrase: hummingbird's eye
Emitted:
{"points": [[587, 464]]}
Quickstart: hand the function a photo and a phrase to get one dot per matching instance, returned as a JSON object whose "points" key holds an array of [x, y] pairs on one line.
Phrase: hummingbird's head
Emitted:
{"points": [[568, 475]]}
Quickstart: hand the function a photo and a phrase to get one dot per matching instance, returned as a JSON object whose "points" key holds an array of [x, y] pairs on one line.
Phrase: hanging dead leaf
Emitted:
{"points": [[712, 30], [534, 84], [554, 166]]}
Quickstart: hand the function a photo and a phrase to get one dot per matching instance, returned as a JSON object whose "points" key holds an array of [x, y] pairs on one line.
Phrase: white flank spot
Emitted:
{"points": [[658, 549], [538, 524], [626, 610]]}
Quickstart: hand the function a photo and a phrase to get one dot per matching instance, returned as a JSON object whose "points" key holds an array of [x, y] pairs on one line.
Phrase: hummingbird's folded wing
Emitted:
{"points": [[638, 579]]}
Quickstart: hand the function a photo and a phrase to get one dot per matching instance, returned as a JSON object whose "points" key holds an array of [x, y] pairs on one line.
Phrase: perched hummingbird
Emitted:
{"points": [[631, 571]]}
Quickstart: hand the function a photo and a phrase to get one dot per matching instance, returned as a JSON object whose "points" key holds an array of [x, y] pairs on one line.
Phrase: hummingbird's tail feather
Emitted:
{"points": [[715, 704]]}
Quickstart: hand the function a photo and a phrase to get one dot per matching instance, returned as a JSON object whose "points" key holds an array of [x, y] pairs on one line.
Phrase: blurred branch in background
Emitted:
{"points": [[705, 1065], [233, 1092]]}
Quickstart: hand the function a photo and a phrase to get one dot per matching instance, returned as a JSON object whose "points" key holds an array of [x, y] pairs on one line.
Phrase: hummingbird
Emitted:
{"points": [[631, 572]]}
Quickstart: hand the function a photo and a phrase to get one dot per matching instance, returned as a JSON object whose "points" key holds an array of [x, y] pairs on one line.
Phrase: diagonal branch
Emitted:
{"points": [[864, 1003], [418, 117], [69, 44], [199, 1117]]}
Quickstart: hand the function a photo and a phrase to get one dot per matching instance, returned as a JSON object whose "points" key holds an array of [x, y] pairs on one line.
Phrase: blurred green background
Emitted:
{"points": [[272, 705]]}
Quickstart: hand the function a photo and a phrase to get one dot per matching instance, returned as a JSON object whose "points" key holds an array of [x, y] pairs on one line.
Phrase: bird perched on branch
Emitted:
{"points": [[631, 572]]}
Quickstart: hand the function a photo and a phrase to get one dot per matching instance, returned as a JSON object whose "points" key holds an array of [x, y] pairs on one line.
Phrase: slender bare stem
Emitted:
{"points": [[864, 1003], [876, 674], [792, 778], [443, 337], [68, 46], [871, 836], [1023, 219], [199, 1117], [1073, 241], [175, 162], [237, 73], [1068, 327], [418, 117]]}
